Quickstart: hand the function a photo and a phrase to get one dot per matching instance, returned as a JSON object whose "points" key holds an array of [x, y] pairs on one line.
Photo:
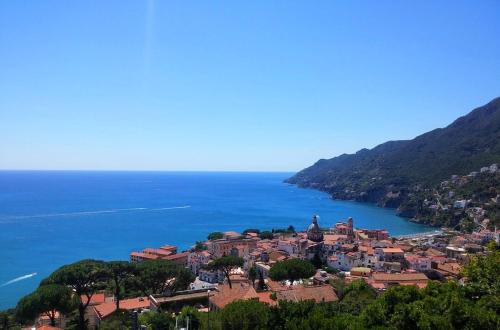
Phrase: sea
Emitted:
{"points": [[52, 218]]}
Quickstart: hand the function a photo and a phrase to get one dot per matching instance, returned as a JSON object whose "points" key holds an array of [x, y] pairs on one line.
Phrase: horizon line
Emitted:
{"points": [[145, 170]]}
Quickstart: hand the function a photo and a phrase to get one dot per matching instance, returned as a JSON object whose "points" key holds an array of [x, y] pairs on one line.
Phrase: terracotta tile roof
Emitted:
{"points": [[321, 293], [168, 247], [96, 299], [399, 277], [144, 255], [439, 259], [367, 249], [225, 295], [452, 268], [104, 310], [392, 250], [265, 297], [231, 234], [434, 252], [48, 327], [277, 256], [275, 286], [334, 237], [176, 256], [159, 252]]}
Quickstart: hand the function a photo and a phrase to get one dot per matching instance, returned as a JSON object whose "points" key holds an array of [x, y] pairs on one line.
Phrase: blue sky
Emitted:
{"points": [[234, 85]]}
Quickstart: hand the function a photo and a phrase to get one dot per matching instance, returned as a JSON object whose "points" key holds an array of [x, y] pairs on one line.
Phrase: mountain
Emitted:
{"points": [[388, 173]]}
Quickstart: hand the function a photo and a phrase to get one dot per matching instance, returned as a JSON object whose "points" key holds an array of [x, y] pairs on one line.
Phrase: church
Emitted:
{"points": [[314, 233]]}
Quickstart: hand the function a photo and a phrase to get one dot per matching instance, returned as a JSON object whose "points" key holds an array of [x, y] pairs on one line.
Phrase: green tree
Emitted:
{"points": [[261, 286], [252, 275], [245, 315], [215, 235], [226, 264], [4, 320], [156, 321], [191, 317], [483, 275], [8, 320], [159, 276], [119, 320], [85, 277], [492, 246], [316, 261], [356, 296], [200, 246], [250, 230], [292, 270], [340, 286], [119, 272], [47, 300], [266, 235], [467, 225]]}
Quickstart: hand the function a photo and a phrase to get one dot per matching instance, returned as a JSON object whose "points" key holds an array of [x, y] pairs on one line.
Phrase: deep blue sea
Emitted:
{"points": [[51, 218]]}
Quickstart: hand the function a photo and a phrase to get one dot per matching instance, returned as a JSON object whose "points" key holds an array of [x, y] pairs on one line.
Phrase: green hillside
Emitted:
{"points": [[387, 173]]}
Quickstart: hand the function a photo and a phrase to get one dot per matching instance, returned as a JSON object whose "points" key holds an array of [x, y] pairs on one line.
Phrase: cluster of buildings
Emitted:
{"points": [[166, 252], [344, 251], [368, 254]]}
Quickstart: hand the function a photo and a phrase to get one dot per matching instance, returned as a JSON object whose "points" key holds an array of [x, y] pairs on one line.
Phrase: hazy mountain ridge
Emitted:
{"points": [[387, 173]]}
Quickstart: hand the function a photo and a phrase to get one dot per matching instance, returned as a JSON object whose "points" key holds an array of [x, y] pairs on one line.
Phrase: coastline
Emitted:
{"points": [[219, 202]]}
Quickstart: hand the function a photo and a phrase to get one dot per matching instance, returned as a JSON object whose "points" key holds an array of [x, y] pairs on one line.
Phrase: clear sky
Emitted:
{"points": [[234, 85]]}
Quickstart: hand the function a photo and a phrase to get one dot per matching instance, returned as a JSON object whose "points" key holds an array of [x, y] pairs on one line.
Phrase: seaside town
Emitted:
{"points": [[340, 253]]}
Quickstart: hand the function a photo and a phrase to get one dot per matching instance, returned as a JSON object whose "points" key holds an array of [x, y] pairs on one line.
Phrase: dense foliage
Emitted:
{"points": [[215, 235], [387, 173], [85, 278], [160, 276], [473, 305], [47, 300], [62, 290], [266, 235], [292, 270]]}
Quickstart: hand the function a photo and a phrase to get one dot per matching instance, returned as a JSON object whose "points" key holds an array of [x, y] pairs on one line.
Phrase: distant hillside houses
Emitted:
{"points": [[468, 201]]}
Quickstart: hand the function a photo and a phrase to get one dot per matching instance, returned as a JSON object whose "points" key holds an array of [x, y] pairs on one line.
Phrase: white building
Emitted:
{"points": [[461, 204], [263, 269], [419, 263]]}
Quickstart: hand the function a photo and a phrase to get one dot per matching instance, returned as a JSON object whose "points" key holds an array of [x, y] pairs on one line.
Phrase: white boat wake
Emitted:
{"points": [[172, 208], [50, 215], [17, 279]]}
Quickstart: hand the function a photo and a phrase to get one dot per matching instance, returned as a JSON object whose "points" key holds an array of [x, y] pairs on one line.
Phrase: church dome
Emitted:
{"points": [[314, 224], [314, 233]]}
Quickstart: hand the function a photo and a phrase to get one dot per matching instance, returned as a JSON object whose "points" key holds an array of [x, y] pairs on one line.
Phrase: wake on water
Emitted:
{"points": [[95, 212], [17, 279]]}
